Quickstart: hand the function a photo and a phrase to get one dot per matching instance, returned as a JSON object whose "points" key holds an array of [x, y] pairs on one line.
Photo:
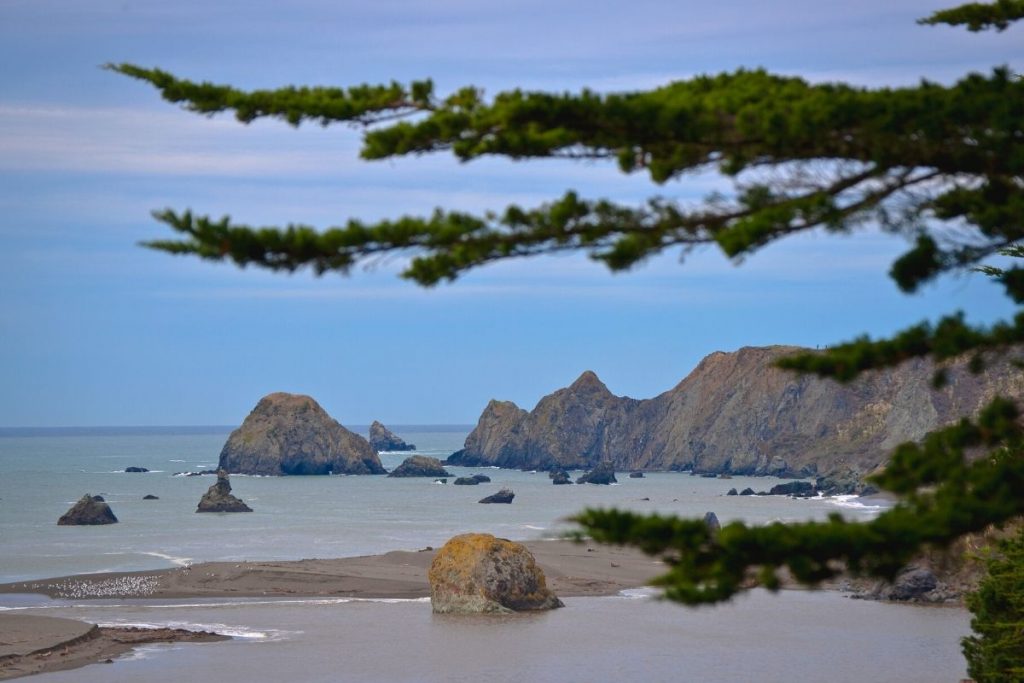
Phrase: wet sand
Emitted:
{"points": [[572, 570], [31, 644]]}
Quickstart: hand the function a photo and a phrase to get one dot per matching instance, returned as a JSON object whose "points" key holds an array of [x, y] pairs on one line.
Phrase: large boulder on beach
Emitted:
{"points": [[476, 573], [292, 434], [604, 473], [87, 511], [383, 439], [220, 499], [420, 466]]}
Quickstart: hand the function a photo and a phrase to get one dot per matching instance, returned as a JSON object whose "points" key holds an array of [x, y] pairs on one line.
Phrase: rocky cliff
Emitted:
{"points": [[292, 434], [737, 414]]}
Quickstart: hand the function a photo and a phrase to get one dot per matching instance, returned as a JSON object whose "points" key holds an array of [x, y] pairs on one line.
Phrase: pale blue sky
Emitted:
{"points": [[97, 331]]}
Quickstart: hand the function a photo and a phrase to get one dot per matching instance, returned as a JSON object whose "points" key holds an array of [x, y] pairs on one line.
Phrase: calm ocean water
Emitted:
{"points": [[787, 637]]}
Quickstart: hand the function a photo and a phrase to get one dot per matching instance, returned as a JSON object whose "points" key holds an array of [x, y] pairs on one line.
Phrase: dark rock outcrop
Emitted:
{"points": [[636, 475], [135, 469], [383, 439], [150, 496], [560, 478], [800, 489], [220, 499], [502, 496], [711, 519], [292, 434], [604, 473], [475, 573], [738, 414], [747, 492], [732, 492], [420, 466], [88, 510], [482, 478], [466, 481]]}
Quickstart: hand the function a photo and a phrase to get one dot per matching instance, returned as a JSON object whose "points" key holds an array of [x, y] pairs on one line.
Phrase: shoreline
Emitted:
{"points": [[35, 644], [31, 644], [571, 569]]}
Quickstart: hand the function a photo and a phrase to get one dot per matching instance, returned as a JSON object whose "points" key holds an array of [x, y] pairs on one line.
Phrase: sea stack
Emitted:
{"points": [[292, 434], [383, 439], [219, 498], [88, 510], [476, 573]]}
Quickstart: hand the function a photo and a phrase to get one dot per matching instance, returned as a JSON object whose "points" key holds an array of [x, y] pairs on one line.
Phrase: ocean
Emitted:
{"points": [[789, 636]]}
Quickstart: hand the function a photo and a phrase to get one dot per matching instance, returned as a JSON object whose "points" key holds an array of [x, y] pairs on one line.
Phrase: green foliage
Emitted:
{"points": [[941, 165], [804, 157], [978, 16], [995, 654]]}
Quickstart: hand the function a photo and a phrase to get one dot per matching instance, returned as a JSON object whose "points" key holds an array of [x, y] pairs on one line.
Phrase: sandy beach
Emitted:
{"points": [[32, 644]]}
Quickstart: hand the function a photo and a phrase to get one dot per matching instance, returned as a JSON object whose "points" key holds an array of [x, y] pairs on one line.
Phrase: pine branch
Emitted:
{"points": [[978, 16]]}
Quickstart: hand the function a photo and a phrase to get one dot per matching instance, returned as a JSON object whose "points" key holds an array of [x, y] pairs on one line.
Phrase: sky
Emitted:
{"points": [[96, 330]]}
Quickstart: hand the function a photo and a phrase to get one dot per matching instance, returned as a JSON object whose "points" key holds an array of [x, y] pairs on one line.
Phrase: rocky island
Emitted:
{"points": [[292, 434], [89, 510], [383, 439], [735, 413]]}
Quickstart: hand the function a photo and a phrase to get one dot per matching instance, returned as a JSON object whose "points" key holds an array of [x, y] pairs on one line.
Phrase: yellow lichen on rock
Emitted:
{"points": [[476, 573]]}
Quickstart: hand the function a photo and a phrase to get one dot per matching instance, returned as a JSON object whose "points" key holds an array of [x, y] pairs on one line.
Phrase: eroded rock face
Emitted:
{"points": [[478, 573], [738, 414], [88, 510], [220, 499], [383, 439], [292, 434], [420, 466]]}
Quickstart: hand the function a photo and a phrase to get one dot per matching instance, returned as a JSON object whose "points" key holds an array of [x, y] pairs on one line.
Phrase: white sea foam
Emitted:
{"points": [[532, 526], [179, 561], [230, 630], [177, 460], [645, 593], [854, 502]]}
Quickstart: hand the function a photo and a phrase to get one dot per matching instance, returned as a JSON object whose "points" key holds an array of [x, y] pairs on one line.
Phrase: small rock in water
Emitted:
{"points": [[502, 496], [89, 510], [420, 466], [603, 473], [150, 496], [135, 469], [219, 498]]}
